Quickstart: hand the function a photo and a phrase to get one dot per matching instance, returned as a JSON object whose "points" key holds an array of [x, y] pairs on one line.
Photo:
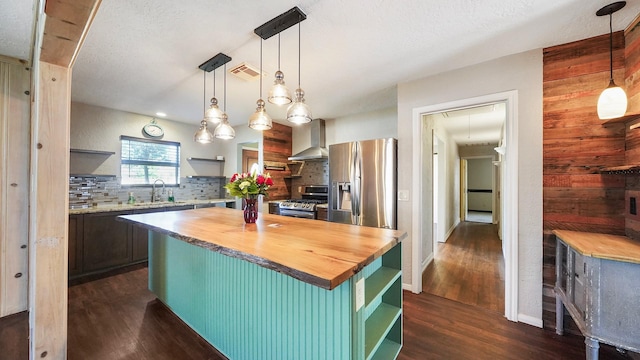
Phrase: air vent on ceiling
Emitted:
{"points": [[245, 71]]}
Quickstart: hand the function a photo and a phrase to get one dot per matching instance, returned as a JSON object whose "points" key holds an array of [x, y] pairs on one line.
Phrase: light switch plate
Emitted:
{"points": [[359, 294], [403, 195]]}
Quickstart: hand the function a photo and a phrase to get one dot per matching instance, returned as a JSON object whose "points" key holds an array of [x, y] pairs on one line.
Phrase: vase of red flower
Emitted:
{"points": [[250, 211], [249, 187]]}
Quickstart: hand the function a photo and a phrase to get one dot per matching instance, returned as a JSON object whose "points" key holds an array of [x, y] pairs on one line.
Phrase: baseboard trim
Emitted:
{"points": [[530, 320], [426, 262]]}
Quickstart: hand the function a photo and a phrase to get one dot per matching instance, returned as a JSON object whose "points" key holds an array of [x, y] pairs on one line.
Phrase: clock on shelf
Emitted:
{"points": [[153, 130]]}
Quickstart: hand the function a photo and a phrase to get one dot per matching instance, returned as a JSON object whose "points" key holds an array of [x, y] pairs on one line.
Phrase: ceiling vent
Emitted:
{"points": [[245, 71]]}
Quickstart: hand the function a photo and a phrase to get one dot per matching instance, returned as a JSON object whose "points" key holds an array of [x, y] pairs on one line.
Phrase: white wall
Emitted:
{"points": [[521, 72], [480, 177], [99, 128], [365, 126]]}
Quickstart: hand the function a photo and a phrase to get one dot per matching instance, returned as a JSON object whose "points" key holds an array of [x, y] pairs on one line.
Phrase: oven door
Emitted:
{"points": [[298, 213]]}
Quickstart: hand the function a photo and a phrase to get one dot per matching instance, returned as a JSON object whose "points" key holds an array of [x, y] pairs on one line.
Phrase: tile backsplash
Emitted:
{"points": [[87, 191]]}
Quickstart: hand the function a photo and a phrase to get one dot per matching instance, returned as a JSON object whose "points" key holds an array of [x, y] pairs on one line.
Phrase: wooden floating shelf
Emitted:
{"points": [[623, 119], [621, 169], [204, 159], [94, 152], [205, 177], [93, 175]]}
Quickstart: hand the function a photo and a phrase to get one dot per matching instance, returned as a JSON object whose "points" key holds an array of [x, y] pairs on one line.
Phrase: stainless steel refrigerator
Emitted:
{"points": [[363, 178]]}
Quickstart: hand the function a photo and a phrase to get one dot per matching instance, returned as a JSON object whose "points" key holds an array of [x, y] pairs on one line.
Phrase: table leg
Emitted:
{"points": [[559, 316], [591, 348]]}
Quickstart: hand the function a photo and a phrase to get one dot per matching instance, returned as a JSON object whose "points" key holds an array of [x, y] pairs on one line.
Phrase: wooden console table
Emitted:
{"points": [[598, 282]]}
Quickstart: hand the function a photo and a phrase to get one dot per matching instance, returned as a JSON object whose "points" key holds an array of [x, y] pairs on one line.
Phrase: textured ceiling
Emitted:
{"points": [[16, 28], [142, 56]]}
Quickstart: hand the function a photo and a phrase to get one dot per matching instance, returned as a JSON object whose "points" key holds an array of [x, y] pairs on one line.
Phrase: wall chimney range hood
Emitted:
{"points": [[317, 151]]}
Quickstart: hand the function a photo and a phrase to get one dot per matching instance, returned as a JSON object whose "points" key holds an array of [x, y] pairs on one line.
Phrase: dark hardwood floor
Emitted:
{"points": [[118, 318], [469, 267]]}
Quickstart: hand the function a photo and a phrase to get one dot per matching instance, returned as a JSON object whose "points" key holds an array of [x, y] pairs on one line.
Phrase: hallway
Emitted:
{"points": [[469, 267]]}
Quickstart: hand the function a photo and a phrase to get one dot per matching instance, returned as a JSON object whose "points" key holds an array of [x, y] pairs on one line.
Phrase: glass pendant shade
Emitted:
{"points": [[260, 120], [224, 131], [299, 112], [279, 93], [612, 103], [213, 113], [203, 135]]}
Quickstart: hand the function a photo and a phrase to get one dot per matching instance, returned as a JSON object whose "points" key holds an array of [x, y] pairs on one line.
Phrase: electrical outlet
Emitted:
{"points": [[403, 195], [633, 210]]}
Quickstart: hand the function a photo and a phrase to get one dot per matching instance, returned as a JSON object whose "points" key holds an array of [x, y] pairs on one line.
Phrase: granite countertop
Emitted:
{"points": [[320, 253], [145, 205]]}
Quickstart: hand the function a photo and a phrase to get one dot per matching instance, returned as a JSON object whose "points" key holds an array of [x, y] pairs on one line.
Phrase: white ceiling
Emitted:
{"points": [[480, 125], [142, 56]]}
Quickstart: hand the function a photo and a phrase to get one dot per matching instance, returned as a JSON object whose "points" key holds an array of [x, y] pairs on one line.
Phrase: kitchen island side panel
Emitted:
{"points": [[247, 311]]}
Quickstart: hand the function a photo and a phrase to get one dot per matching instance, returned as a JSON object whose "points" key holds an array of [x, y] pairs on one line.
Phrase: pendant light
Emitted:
{"points": [[203, 135], [260, 120], [612, 102], [279, 93], [213, 113], [299, 112], [225, 131]]}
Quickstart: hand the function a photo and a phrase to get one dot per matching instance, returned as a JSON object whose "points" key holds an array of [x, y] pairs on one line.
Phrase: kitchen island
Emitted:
{"points": [[283, 288]]}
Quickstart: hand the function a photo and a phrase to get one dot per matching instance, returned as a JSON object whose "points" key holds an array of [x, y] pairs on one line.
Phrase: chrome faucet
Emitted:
{"points": [[154, 194]]}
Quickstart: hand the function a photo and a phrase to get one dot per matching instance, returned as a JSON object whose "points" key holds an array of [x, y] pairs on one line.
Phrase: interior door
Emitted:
{"points": [[463, 189]]}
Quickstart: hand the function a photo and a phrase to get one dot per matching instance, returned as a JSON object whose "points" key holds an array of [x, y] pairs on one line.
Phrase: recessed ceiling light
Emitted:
{"points": [[161, 114]]}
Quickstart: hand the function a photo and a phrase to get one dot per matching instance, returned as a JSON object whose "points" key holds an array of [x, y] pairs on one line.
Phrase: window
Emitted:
{"points": [[142, 161]]}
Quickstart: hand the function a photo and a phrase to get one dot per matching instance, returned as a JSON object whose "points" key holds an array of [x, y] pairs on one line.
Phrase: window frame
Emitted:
{"points": [[176, 165]]}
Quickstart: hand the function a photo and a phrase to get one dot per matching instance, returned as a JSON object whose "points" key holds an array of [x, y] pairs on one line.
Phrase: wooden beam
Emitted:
{"points": [[65, 29], [58, 42], [49, 204]]}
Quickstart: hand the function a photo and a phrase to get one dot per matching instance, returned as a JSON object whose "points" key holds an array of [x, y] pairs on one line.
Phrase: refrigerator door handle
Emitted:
{"points": [[357, 182], [353, 179]]}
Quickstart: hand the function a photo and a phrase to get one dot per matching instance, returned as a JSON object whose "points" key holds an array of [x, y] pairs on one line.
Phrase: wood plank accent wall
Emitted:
{"points": [[14, 185], [576, 145], [277, 147]]}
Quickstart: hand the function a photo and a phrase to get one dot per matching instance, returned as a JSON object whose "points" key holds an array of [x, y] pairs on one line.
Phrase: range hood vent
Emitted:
{"points": [[317, 151]]}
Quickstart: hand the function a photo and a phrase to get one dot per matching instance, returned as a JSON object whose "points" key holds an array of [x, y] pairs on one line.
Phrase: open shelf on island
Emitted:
{"points": [[94, 152], [203, 159]]}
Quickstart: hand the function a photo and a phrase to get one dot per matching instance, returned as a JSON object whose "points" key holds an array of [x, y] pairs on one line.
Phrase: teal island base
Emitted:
{"points": [[250, 312]]}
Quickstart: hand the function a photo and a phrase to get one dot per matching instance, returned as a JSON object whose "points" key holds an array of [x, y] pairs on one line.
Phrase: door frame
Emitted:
{"points": [[509, 184]]}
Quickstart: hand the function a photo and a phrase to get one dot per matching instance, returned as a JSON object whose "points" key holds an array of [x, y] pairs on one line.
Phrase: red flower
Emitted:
{"points": [[269, 182], [260, 180], [234, 178]]}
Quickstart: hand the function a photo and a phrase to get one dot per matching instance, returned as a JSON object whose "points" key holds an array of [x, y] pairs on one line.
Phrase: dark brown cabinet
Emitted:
{"points": [[75, 244], [322, 213], [98, 242], [107, 242], [140, 239], [274, 207]]}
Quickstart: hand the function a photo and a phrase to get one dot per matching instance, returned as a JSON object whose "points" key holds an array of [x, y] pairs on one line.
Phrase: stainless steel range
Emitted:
{"points": [[305, 207]]}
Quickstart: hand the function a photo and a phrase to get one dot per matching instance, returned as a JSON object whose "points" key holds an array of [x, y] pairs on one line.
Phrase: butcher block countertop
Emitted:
{"points": [[320, 253], [604, 246]]}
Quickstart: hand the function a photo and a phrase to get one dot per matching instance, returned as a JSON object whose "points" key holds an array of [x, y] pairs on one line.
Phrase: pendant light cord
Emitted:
{"points": [[299, 51], [610, 47], [225, 87], [278, 51], [204, 90], [261, 68], [214, 82]]}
